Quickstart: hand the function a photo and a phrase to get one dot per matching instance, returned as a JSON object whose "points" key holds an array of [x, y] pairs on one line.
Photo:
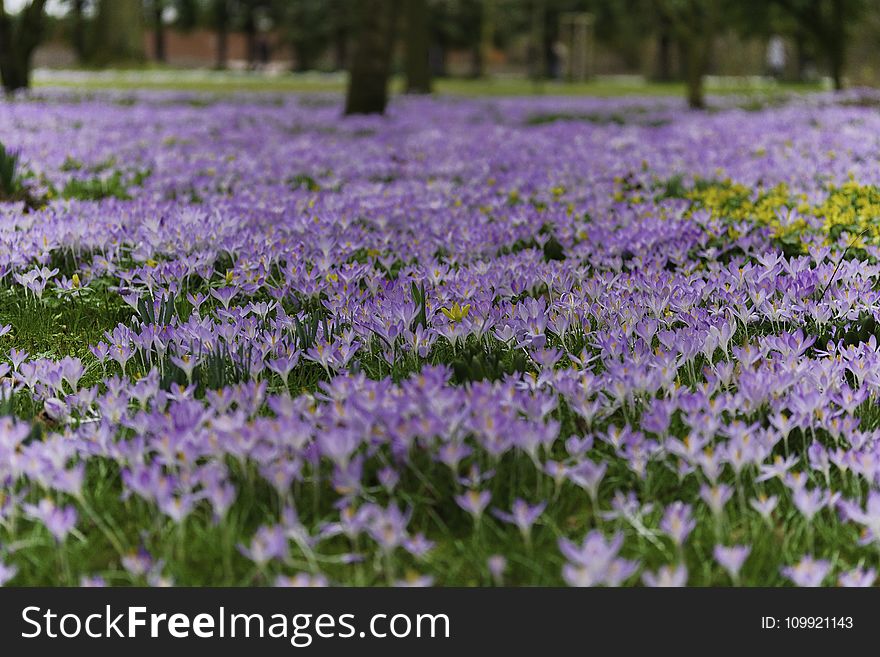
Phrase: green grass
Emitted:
{"points": [[225, 82]]}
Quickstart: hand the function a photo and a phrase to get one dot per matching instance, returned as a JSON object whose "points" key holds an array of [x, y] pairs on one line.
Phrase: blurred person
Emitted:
{"points": [[776, 56], [560, 60]]}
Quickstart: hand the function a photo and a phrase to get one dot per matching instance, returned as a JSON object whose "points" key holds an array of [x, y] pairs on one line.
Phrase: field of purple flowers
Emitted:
{"points": [[547, 341]]}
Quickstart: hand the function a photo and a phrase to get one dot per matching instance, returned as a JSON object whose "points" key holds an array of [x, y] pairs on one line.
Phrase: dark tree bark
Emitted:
{"points": [[836, 43], [537, 44], [78, 36], [339, 33], [250, 35], [418, 69], [220, 9], [800, 55], [340, 49], [19, 37], [694, 24], [478, 68], [119, 30], [664, 57], [222, 48], [371, 62], [694, 65], [663, 69], [159, 30], [304, 61], [827, 23]]}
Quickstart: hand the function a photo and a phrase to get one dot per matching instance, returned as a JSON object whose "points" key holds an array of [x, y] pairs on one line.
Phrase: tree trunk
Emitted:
{"points": [[250, 37], [222, 47], [478, 66], [220, 16], [304, 61], [19, 37], [835, 57], [370, 68], [15, 71], [79, 31], [418, 69], [800, 56], [537, 46], [340, 50], [159, 33], [663, 70], [694, 64], [119, 28], [836, 44], [487, 33]]}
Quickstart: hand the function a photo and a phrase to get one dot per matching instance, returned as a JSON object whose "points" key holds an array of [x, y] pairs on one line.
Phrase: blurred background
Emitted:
{"points": [[511, 46]]}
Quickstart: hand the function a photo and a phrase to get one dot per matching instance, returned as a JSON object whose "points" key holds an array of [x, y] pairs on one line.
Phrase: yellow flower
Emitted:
{"points": [[456, 313], [75, 280]]}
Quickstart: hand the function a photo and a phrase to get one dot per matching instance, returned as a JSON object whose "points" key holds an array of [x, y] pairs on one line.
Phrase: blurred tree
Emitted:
{"points": [[220, 17], [537, 49], [341, 23], [370, 67], [248, 11], [188, 14], [487, 31], [157, 10], [694, 24], [459, 25], [254, 18], [77, 27], [418, 71], [19, 36], [440, 34], [119, 32], [623, 27], [828, 23], [663, 70], [307, 27]]}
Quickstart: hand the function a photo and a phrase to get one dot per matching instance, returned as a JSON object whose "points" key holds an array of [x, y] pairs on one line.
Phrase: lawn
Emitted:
{"points": [[225, 82], [498, 340]]}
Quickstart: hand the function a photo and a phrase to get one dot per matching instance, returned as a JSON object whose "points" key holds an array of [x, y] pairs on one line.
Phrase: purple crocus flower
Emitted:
{"points": [[414, 580], [595, 561], [418, 546], [678, 522], [387, 526], [523, 515], [270, 542], [301, 580], [808, 572], [858, 578], [666, 577], [138, 563], [7, 573], [497, 564], [731, 558], [716, 497], [764, 505], [869, 517], [474, 502], [224, 295], [92, 582], [588, 475], [809, 502], [58, 520]]}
